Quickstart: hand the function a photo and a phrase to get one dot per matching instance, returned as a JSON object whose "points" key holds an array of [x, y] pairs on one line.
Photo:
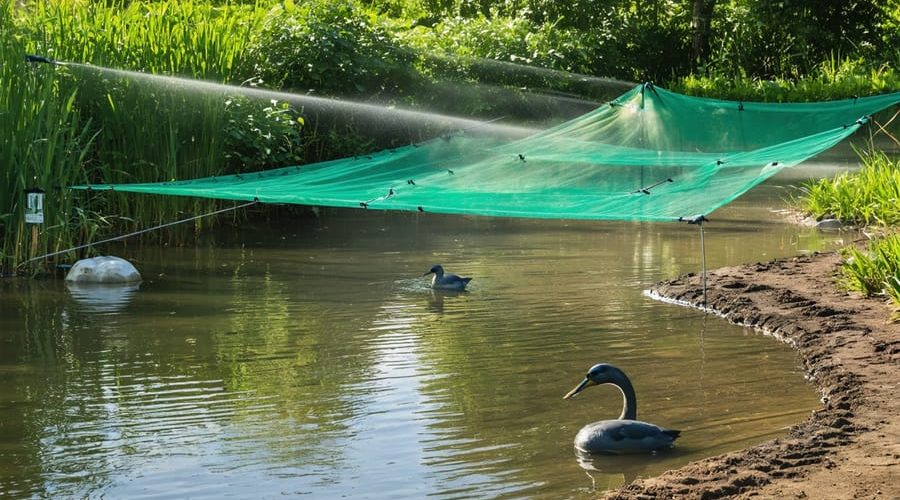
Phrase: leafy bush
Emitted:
{"points": [[261, 135], [332, 48]]}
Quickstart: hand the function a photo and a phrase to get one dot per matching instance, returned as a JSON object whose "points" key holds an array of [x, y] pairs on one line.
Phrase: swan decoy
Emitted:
{"points": [[625, 434], [442, 281]]}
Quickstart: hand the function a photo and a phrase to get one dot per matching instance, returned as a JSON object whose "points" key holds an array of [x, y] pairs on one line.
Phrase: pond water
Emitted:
{"points": [[310, 358]]}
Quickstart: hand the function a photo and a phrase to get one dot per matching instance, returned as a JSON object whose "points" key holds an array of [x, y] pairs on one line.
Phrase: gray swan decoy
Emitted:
{"points": [[625, 434], [441, 281]]}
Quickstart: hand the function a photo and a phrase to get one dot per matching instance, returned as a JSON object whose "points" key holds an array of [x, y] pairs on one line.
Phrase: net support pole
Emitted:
{"points": [[699, 220], [703, 261]]}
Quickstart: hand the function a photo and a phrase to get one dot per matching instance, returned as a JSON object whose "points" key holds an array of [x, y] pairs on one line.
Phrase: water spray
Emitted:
{"points": [[321, 104]]}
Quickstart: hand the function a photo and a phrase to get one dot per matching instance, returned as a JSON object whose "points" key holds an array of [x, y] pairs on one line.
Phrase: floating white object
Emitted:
{"points": [[103, 269]]}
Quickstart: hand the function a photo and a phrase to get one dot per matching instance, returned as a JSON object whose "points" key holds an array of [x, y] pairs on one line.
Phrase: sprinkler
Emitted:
{"points": [[33, 58]]}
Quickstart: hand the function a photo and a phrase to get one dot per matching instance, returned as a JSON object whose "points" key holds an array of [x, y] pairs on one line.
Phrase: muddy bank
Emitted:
{"points": [[850, 448]]}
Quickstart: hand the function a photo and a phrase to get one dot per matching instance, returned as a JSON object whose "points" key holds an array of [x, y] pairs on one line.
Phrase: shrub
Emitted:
{"points": [[331, 48]]}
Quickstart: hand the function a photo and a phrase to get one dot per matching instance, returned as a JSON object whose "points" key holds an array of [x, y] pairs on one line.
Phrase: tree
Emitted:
{"points": [[701, 15]]}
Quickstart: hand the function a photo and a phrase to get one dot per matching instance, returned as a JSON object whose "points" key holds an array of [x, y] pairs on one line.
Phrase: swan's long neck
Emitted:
{"points": [[629, 408]]}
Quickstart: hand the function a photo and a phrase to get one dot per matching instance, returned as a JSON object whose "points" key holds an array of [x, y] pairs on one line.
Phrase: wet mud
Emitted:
{"points": [[850, 351]]}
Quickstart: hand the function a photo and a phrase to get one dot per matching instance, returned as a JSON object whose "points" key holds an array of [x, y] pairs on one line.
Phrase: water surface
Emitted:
{"points": [[310, 358]]}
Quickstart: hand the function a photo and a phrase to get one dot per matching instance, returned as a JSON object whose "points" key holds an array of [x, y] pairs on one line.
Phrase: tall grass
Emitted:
{"points": [[874, 271], [135, 131], [43, 143], [194, 38], [835, 78], [147, 131], [870, 196]]}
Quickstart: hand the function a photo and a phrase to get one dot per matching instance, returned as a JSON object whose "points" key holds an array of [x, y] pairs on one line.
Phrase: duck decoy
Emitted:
{"points": [[441, 281], [625, 434]]}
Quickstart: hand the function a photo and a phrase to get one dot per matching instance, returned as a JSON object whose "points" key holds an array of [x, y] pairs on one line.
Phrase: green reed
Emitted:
{"points": [[198, 39], [136, 131], [874, 271], [44, 141], [870, 196]]}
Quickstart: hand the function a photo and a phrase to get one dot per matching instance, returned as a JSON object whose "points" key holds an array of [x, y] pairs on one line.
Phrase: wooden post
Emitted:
{"points": [[34, 215]]}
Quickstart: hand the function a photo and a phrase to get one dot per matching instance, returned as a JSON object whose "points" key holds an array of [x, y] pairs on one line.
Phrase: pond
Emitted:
{"points": [[309, 357]]}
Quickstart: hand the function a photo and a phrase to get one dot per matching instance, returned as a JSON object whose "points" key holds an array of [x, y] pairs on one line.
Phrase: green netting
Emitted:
{"points": [[649, 155]]}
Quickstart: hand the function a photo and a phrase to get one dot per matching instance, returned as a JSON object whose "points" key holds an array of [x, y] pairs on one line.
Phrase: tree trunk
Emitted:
{"points": [[700, 30]]}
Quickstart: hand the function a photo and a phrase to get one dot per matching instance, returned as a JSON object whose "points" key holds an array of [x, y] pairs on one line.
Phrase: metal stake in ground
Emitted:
{"points": [[699, 220]]}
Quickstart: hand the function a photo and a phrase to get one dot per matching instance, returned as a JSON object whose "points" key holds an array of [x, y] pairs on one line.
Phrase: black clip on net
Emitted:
{"points": [[646, 190], [696, 219]]}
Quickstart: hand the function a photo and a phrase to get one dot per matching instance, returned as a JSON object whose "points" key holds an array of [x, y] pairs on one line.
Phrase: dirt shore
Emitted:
{"points": [[850, 448]]}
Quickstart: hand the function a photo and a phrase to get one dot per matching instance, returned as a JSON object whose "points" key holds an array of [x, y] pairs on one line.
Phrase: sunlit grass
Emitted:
{"points": [[874, 271], [65, 125], [835, 78], [43, 144], [870, 196]]}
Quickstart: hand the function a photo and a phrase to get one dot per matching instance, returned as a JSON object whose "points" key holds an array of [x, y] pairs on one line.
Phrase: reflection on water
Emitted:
{"points": [[102, 297], [612, 471], [312, 358]]}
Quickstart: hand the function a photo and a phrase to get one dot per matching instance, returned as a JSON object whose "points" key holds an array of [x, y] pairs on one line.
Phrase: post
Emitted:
{"points": [[699, 220], [34, 214], [703, 259]]}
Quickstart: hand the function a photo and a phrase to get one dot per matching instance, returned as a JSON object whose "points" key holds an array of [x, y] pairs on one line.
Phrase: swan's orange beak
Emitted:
{"points": [[580, 387]]}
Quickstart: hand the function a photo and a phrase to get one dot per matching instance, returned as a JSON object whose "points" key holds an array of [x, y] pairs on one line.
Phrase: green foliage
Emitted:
{"points": [[137, 130], [875, 271], [194, 38], [870, 196], [326, 141], [633, 41], [43, 143], [479, 67], [333, 48], [259, 136], [463, 42], [653, 39], [835, 78], [787, 38]]}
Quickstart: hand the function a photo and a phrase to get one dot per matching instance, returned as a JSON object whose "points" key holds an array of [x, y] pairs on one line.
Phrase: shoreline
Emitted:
{"points": [[850, 352]]}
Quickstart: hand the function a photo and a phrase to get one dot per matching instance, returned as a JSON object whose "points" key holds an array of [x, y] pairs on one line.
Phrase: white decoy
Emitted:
{"points": [[442, 281], [624, 435]]}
